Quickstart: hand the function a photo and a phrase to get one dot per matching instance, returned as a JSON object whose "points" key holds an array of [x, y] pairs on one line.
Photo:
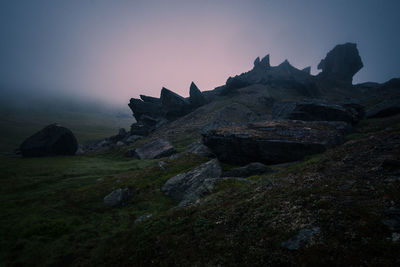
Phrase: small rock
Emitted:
{"points": [[395, 237], [198, 148], [301, 239], [118, 197], [132, 139], [143, 218], [162, 165], [157, 149], [119, 143]]}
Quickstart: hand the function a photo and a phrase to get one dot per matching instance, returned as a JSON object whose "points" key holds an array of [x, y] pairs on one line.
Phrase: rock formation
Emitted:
{"points": [[341, 63], [273, 142], [153, 150], [52, 140]]}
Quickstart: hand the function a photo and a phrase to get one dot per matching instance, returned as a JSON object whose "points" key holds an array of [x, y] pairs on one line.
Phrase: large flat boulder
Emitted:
{"points": [[52, 140], [157, 149], [317, 110], [190, 186], [273, 142], [341, 63]]}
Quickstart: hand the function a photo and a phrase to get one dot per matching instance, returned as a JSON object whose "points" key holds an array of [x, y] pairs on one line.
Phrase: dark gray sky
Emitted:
{"points": [[114, 50]]}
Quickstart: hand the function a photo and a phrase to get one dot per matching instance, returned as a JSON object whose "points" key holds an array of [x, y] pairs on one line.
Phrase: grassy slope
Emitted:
{"points": [[52, 211]]}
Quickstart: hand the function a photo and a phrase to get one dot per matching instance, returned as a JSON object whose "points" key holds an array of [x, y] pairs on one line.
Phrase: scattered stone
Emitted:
{"points": [[162, 165], [341, 63], [120, 143], [174, 156], [386, 108], [143, 218], [254, 168], [198, 148], [118, 197], [132, 139], [395, 237], [52, 140], [301, 239], [273, 142], [157, 149], [80, 150], [192, 185]]}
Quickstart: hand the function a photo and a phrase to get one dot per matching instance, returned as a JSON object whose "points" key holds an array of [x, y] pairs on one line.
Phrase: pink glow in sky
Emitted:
{"points": [[115, 50]]}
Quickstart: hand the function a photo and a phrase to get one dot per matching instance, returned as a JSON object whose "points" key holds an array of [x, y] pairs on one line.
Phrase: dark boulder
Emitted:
{"points": [[173, 105], [140, 108], [317, 110], [273, 142], [254, 168], [386, 108], [150, 99], [196, 97], [153, 150], [50, 141], [118, 197], [341, 63]]}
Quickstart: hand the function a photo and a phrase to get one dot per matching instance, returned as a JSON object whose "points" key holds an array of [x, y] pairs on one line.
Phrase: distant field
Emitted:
{"points": [[16, 125]]}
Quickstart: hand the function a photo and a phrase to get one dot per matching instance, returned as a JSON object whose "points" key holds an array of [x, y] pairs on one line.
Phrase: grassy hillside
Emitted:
{"points": [[52, 210]]}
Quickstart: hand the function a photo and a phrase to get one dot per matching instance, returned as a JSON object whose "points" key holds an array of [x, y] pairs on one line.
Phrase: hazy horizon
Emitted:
{"points": [[114, 50]]}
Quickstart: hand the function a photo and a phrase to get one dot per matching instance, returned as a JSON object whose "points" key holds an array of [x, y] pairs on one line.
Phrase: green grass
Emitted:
{"points": [[52, 209]]}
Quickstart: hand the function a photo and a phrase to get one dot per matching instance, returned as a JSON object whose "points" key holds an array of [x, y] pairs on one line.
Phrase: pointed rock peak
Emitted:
{"points": [[168, 93], [193, 87], [263, 63], [307, 70]]}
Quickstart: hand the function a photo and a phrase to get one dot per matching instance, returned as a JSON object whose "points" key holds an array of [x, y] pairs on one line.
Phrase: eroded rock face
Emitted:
{"points": [[52, 140], [317, 110], [154, 150], [341, 63], [273, 142], [192, 185]]}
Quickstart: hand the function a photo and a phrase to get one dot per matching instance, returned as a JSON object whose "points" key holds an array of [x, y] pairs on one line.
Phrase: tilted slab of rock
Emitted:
{"points": [[196, 97], [273, 142], [52, 140], [190, 186], [157, 149], [317, 110], [386, 108], [173, 105], [118, 197]]}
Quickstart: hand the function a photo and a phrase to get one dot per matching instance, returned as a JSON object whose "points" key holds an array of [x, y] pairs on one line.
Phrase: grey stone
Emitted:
{"points": [[156, 149], [192, 185], [301, 239], [200, 149], [143, 218], [118, 197], [386, 108]]}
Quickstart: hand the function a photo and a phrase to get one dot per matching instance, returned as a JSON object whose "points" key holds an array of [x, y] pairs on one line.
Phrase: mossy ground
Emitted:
{"points": [[52, 210]]}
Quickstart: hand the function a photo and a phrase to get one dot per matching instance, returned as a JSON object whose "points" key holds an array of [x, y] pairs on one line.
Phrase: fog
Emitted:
{"points": [[110, 51]]}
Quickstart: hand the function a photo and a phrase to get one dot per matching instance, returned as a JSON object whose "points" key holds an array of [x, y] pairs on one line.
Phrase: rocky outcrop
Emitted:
{"points": [[173, 105], [196, 97], [273, 142], [386, 108], [157, 149], [341, 63], [52, 140], [118, 197], [254, 168], [263, 73], [190, 186], [317, 110]]}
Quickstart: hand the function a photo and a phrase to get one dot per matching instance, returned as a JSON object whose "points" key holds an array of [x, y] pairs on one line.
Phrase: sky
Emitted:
{"points": [[113, 50]]}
